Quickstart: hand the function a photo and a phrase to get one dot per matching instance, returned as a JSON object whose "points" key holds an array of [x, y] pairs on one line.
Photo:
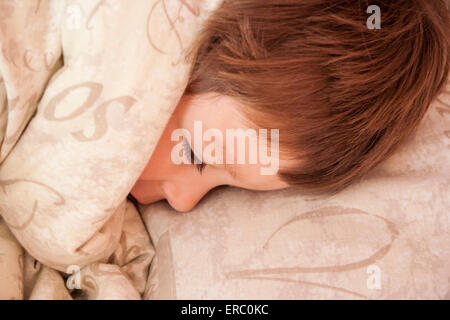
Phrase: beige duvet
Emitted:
{"points": [[99, 80], [86, 88]]}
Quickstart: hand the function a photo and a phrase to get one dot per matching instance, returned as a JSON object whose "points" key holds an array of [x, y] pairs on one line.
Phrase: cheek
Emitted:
{"points": [[160, 166], [250, 177]]}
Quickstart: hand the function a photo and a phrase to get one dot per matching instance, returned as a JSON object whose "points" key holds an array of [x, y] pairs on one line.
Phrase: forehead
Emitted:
{"points": [[214, 111]]}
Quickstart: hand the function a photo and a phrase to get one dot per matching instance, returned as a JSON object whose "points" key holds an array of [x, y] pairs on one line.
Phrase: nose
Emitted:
{"points": [[184, 198]]}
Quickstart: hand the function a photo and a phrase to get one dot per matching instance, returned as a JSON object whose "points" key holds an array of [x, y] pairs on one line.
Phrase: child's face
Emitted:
{"points": [[183, 185]]}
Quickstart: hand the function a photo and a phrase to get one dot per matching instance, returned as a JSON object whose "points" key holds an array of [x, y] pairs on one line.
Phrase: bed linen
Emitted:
{"points": [[86, 90], [384, 237], [73, 116]]}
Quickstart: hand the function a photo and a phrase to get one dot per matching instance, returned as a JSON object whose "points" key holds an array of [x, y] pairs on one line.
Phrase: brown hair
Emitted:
{"points": [[343, 96]]}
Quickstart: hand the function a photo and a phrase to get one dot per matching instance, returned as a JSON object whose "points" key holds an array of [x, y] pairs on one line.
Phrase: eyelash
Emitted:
{"points": [[188, 151]]}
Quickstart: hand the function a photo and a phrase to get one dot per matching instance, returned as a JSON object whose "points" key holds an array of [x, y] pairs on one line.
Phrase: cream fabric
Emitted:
{"points": [[86, 89], [386, 237]]}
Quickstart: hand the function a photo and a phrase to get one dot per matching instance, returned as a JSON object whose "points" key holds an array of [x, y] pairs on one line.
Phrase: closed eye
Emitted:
{"points": [[192, 158]]}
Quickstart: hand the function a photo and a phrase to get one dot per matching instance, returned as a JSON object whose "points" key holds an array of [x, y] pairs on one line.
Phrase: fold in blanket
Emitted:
{"points": [[86, 88]]}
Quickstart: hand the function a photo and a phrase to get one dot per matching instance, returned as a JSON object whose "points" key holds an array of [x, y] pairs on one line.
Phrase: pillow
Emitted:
{"points": [[385, 237]]}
